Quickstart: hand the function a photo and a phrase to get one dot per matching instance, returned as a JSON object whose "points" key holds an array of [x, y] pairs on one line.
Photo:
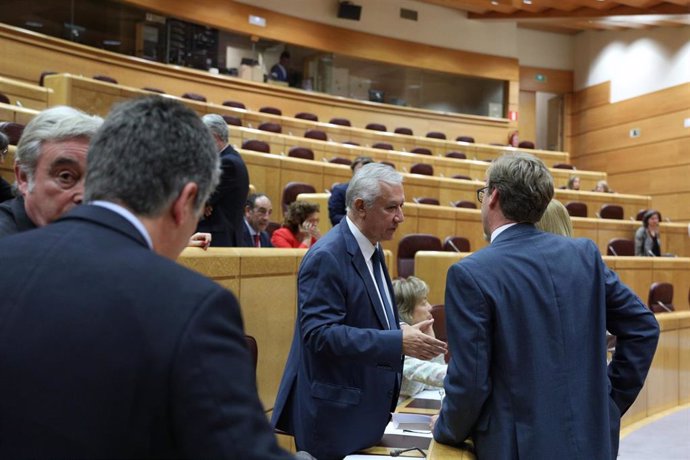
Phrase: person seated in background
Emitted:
{"points": [[602, 187], [647, 242], [49, 168], [280, 70], [573, 183], [257, 214], [556, 220], [336, 202], [413, 307], [300, 228], [6, 192]]}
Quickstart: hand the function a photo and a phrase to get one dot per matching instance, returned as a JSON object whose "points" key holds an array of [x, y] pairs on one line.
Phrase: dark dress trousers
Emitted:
{"points": [[227, 218], [527, 318], [248, 239], [336, 203], [13, 217], [5, 190], [109, 350], [341, 380]]}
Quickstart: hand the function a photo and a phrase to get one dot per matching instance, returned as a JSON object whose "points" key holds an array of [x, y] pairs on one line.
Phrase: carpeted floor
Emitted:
{"points": [[665, 439]]}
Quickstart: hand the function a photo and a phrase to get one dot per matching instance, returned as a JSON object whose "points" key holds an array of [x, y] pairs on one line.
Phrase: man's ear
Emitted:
{"points": [[183, 206], [22, 180], [359, 207], [493, 198]]}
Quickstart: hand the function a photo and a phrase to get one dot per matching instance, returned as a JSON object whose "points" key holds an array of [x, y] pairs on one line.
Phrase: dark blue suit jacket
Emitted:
{"points": [[248, 241], [227, 219], [527, 318], [109, 350], [341, 380], [336, 203]]}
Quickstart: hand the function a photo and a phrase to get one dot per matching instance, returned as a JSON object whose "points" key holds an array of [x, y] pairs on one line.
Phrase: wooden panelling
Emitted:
{"points": [[528, 115], [594, 96], [555, 81], [28, 54], [23, 94]]}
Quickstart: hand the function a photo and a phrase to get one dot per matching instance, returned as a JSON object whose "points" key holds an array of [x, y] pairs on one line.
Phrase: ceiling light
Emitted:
{"points": [[35, 24], [527, 2], [494, 2], [112, 42]]}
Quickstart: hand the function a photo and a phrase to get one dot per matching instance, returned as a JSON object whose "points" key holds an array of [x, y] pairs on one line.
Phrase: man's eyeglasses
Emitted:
{"points": [[481, 192]]}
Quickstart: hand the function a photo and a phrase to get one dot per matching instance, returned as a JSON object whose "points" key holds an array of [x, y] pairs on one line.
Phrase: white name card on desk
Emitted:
{"points": [[404, 423]]}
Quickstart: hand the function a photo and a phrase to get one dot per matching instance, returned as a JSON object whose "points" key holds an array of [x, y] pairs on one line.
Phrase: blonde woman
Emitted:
{"points": [[556, 220], [413, 306]]}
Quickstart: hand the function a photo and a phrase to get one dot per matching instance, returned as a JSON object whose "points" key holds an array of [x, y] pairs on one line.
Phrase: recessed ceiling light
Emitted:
{"points": [[494, 2], [527, 2], [35, 24], [112, 42]]}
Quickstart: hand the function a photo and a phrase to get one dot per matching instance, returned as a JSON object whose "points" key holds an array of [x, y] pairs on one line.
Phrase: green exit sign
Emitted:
{"points": [[540, 77]]}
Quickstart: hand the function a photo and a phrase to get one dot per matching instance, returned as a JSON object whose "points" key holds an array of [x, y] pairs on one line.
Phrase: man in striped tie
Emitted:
{"points": [[257, 215]]}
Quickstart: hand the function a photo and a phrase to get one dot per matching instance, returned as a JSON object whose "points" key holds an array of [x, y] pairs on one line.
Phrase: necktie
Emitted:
{"points": [[257, 240], [382, 286]]}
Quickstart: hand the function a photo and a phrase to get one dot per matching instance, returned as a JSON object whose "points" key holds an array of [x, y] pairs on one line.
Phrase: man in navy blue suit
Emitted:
{"points": [[336, 202], [225, 208], [257, 215], [108, 348], [527, 318], [342, 377]]}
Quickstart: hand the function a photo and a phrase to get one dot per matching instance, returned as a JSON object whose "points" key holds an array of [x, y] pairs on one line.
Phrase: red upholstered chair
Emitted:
{"points": [[526, 145], [456, 155], [4, 99], [270, 127], [234, 104], [272, 227], [436, 135], [468, 139], [307, 116], [194, 97], [340, 122], [271, 110], [640, 214], [291, 190], [461, 176], [611, 211], [438, 312], [233, 121], [153, 90], [256, 145], [105, 78], [660, 298], [44, 74], [425, 200], [408, 247], [620, 247], [301, 152], [464, 204], [388, 163], [253, 349], [563, 166], [456, 244], [12, 130], [351, 143], [405, 131], [576, 209], [316, 134], [422, 168], [421, 151], [376, 127], [340, 161], [382, 146]]}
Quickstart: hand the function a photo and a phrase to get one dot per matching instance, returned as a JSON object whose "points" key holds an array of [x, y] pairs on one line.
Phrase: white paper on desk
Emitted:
{"points": [[416, 422], [430, 394]]}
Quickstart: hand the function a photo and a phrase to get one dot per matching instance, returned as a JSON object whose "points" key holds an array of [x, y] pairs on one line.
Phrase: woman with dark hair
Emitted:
{"points": [[300, 228], [647, 241]]}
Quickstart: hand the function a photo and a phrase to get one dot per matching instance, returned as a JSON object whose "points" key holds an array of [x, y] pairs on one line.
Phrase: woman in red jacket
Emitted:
{"points": [[300, 228]]}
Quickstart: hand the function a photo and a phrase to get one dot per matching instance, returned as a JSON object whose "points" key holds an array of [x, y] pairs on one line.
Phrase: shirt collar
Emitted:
{"points": [[252, 232], [501, 229], [127, 215], [362, 241]]}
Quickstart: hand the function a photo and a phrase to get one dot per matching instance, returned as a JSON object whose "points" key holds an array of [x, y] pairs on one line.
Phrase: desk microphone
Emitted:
{"points": [[650, 253], [455, 248], [662, 305], [399, 452], [613, 251]]}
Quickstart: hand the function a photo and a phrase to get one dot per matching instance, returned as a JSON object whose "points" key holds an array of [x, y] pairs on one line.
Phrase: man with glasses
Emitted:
{"points": [[527, 318], [5, 187], [257, 215]]}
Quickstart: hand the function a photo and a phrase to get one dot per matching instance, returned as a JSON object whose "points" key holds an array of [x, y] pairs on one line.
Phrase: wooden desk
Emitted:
{"points": [[25, 94]]}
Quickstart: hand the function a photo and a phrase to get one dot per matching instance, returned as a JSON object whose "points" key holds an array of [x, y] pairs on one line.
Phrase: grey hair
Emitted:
{"points": [[217, 125], [366, 183], [524, 184], [147, 150], [56, 124]]}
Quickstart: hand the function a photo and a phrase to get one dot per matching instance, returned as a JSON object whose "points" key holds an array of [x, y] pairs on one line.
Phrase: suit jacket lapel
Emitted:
{"points": [[363, 271]]}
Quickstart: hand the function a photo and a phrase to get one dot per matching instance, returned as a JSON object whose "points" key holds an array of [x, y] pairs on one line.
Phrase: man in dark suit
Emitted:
{"points": [[342, 377], [225, 209], [108, 348], [257, 215], [336, 202], [527, 318], [49, 168]]}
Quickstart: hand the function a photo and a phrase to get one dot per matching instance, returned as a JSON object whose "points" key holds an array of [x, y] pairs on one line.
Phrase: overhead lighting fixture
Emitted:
{"points": [[34, 24], [494, 2], [527, 2], [112, 42]]}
